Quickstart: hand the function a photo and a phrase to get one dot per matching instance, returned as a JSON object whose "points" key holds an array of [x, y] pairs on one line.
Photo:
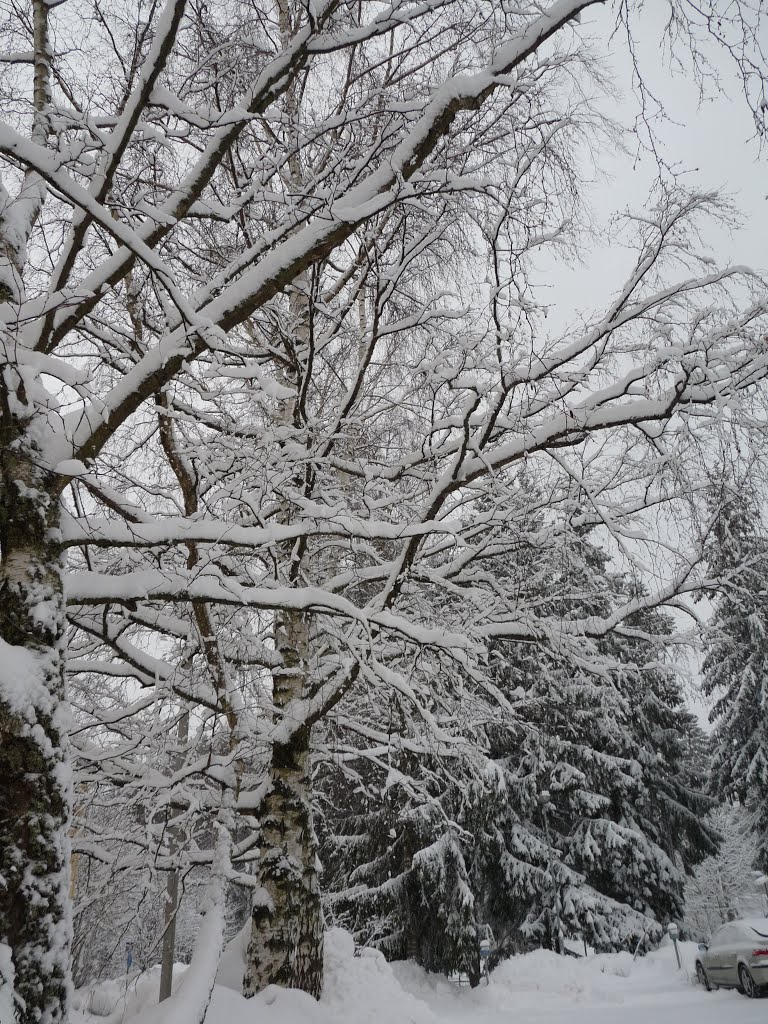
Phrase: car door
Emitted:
{"points": [[729, 954], [714, 958]]}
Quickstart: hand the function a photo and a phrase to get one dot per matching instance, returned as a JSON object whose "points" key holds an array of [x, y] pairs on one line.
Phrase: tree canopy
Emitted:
{"points": [[274, 371]]}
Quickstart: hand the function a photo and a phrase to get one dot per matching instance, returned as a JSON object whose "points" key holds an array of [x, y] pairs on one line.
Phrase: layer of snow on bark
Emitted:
{"points": [[22, 680], [6, 984], [232, 963], [71, 467]]}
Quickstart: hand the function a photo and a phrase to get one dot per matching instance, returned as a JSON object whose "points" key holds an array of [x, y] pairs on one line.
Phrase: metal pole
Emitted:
{"points": [[673, 932]]}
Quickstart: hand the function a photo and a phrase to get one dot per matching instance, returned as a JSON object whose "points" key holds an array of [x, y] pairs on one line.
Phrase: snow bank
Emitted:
{"points": [[541, 983], [538, 979], [120, 999], [361, 989], [595, 979], [365, 989]]}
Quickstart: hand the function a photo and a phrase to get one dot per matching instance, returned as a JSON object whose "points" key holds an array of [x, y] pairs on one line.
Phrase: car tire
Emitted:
{"points": [[703, 977], [747, 984]]}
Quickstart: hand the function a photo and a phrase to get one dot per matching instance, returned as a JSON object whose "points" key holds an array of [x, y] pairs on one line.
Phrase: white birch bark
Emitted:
{"points": [[286, 942]]}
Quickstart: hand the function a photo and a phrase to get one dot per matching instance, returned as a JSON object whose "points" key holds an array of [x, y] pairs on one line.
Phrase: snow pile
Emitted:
{"points": [[600, 975], [543, 984], [361, 989], [120, 999], [597, 979], [534, 980], [365, 989]]}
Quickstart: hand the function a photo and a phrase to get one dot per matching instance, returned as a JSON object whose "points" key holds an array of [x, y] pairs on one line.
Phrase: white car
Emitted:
{"points": [[736, 957]]}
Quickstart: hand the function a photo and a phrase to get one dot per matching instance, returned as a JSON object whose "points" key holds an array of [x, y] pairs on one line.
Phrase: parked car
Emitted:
{"points": [[736, 957]]}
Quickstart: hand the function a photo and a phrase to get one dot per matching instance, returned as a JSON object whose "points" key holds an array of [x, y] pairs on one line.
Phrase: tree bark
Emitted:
{"points": [[35, 786], [286, 943], [169, 934], [171, 907], [473, 972]]}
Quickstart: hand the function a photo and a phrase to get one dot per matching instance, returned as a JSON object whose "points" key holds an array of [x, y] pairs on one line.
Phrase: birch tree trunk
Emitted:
{"points": [[34, 763], [286, 944]]}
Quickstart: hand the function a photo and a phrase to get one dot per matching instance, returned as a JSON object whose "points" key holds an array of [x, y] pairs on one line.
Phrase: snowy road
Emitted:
{"points": [[692, 1007], [543, 989]]}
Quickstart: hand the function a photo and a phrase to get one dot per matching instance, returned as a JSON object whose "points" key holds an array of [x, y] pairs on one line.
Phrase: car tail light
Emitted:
{"points": [[760, 952]]}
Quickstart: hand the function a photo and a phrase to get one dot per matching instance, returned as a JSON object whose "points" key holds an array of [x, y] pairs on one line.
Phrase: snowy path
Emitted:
{"points": [[543, 989], [660, 1007]]}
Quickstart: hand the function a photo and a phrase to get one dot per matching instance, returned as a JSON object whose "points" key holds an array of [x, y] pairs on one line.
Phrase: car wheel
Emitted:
{"points": [[703, 977], [748, 987]]}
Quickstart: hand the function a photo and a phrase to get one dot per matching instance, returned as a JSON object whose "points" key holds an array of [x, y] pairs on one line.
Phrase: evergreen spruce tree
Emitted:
{"points": [[671, 807], [421, 851], [443, 902], [605, 732], [393, 857], [736, 663]]}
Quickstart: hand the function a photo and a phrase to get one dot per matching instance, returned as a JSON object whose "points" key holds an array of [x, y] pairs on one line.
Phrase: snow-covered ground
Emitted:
{"points": [[539, 988]]}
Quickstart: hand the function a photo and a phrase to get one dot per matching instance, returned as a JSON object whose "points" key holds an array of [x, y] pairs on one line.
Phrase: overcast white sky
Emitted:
{"points": [[715, 141], [711, 143]]}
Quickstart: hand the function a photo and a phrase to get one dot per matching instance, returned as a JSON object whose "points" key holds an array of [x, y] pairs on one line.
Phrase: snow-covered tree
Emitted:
{"points": [[724, 884], [604, 734], [268, 448], [394, 842], [736, 663], [600, 728]]}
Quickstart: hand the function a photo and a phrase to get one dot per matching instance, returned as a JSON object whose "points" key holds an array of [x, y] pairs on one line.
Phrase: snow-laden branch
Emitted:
{"points": [[92, 588], [90, 429], [324, 522]]}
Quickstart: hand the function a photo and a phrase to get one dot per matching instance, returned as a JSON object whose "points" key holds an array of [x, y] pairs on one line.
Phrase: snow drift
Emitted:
{"points": [[363, 988]]}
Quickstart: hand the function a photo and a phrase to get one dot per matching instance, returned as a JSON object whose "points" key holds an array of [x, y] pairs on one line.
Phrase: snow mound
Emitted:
{"points": [[535, 979], [597, 979], [543, 985], [363, 988], [121, 999]]}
